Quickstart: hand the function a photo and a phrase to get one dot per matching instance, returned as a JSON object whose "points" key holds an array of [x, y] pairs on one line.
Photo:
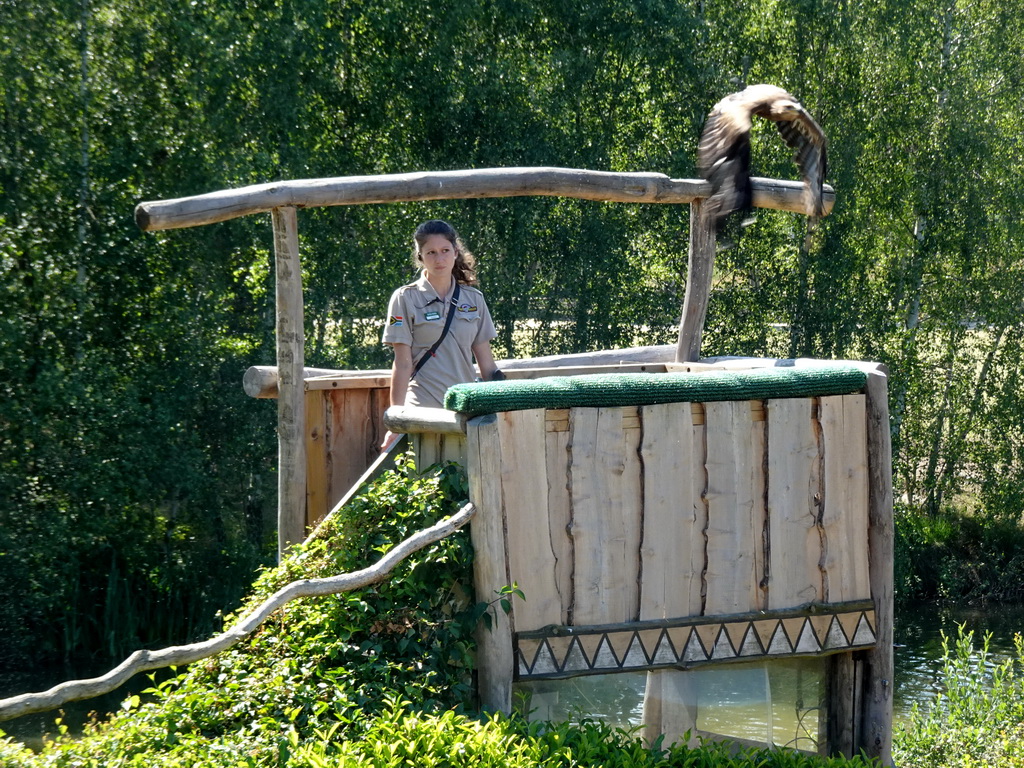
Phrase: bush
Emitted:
{"points": [[976, 719], [957, 556], [398, 738]]}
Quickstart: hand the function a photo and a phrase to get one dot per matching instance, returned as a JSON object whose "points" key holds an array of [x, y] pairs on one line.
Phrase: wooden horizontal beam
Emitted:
{"points": [[582, 370], [375, 381], [411, 419], [600, 186], [260, 381], [649, 355]]}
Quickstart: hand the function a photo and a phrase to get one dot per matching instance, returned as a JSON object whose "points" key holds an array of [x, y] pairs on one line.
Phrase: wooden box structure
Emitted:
{"points": [[665, 537], [661, 539]]}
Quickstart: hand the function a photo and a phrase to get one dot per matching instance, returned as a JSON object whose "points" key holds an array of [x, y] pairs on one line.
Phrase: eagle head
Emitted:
{"points": [[784, 109]]}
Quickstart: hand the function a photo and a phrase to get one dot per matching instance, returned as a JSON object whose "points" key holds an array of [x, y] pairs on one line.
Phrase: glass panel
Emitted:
{"points": [[777, 702], [616, 699]]}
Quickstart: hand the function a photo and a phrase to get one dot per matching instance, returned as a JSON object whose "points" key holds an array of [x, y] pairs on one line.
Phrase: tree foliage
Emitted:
{"points": [[135, 479]]}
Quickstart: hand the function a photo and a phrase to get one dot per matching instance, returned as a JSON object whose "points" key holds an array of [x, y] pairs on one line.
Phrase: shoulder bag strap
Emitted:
{"points": [[444, 332]]}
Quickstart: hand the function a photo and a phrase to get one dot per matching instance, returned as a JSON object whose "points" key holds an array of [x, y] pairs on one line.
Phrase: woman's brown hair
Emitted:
{"points": [[464, 270]]}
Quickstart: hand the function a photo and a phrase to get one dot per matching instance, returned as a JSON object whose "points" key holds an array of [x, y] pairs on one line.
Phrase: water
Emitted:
{"points": [[33, 730], [917, 657]]}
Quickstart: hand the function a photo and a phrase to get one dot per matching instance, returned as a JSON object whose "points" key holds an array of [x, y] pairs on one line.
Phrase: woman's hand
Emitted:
{"points": [[390, 438]]}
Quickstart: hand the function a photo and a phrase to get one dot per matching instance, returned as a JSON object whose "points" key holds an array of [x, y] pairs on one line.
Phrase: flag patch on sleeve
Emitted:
{"points": [[395, 320]]}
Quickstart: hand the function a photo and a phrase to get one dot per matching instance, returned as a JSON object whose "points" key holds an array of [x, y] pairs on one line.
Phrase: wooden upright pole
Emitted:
{"points": [[875, 735], [291, 418], [495, 655], [700, 264]]}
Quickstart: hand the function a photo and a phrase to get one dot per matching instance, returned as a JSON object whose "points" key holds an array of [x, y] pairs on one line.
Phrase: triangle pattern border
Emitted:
{"points": [[555, 652]]}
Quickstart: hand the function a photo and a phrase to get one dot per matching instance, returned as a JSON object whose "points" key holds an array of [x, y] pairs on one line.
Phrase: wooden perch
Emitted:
{"points": [[142, 661], [452, 185]]}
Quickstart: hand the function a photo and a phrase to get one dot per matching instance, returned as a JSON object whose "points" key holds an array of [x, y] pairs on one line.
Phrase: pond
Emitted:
{"points": [[917, 657], [31, 729]]}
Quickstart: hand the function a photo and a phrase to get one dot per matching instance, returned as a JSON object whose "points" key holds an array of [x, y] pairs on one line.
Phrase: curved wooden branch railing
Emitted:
{"points": [[582, 184], [143, 661]]}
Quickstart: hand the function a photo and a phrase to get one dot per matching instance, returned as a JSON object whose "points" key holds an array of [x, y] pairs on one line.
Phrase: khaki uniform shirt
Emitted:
{"points": [[416, 316]]}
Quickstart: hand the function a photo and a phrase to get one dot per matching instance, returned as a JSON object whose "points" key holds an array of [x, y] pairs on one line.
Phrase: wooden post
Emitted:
{"points": [[700, 263], [839, 726], [495, 660], [875, 734], [291, 419]]}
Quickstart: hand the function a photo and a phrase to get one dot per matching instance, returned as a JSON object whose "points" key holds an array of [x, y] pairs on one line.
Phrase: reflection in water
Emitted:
{"points": [[770, 703]]}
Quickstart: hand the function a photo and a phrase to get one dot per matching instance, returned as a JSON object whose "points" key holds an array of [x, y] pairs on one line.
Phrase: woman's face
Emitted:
{"points": [[438, 255]]}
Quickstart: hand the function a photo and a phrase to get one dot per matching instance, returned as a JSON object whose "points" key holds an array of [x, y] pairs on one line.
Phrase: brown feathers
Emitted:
{"points": [[723, 157]]}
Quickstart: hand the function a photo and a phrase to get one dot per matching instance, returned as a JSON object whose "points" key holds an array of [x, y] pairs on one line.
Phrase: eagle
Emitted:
{"points": [[723, 156]]}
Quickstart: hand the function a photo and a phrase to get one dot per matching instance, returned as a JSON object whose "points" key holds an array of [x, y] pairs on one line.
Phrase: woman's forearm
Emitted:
{"points": [[401, 372], [484, 360]]}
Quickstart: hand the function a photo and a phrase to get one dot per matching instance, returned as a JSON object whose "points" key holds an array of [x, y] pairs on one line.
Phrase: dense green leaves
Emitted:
{"points": [[132, 470]]}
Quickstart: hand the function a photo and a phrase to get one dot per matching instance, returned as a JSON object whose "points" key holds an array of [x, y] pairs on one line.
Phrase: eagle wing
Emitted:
{"points": [[809, 146], [723, 158], [723, 155]]}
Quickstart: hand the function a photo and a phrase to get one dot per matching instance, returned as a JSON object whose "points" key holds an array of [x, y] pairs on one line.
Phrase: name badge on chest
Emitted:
{"points": [[432, 315]]}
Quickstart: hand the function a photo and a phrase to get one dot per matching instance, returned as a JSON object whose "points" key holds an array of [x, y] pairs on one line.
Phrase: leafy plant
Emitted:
{"points": [[398, 738], [976, 719]]}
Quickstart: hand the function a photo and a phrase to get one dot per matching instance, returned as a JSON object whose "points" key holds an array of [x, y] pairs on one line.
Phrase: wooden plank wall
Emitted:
{"points": [[615, 515], [602, 470], [672, 552], [344, 429], [433, 448], [343, 432]]}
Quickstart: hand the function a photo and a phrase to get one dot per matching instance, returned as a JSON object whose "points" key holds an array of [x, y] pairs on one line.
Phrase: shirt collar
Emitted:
{"points": [[423, 286]]}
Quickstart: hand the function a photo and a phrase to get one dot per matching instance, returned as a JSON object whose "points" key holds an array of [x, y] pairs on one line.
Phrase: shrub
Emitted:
{"points": [[977, 717], [398, 738], [957, 556]]}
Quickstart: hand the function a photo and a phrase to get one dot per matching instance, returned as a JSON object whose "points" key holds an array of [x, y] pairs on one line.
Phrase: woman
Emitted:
{"points": [[429, 359]]}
